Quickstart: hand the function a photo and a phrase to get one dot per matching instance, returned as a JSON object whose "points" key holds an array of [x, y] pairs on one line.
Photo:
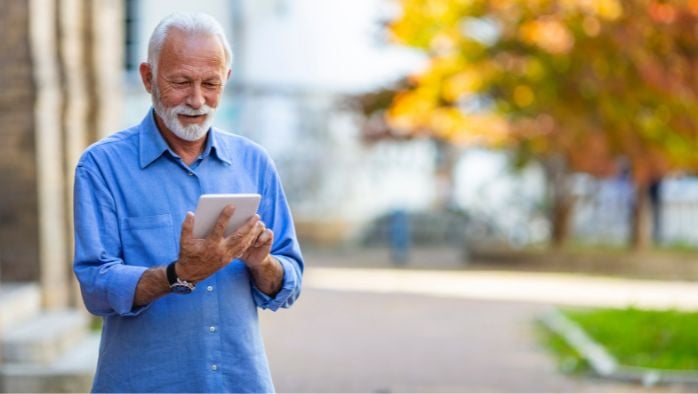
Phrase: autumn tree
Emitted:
{"points": [[574, 85]]}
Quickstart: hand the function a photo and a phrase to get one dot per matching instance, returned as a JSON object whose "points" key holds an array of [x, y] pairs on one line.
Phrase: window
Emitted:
{"points": [[131, 33]]}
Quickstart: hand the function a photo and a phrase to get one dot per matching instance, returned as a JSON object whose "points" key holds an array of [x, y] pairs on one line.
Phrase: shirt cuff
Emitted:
{"points": [[123, 280], [288, 293]]}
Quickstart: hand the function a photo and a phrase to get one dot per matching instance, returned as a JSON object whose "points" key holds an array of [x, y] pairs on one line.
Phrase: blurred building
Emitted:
{"points": [[295, 64], [60, 80]]}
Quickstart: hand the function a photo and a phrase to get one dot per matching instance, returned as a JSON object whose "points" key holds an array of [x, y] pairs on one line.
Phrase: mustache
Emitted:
{"points": [[183, 109]]}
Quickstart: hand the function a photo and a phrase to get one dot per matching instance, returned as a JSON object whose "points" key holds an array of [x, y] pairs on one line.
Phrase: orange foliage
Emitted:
{"points": [[593, 80]]}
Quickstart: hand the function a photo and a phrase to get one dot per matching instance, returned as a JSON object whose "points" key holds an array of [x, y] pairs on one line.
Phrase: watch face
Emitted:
{"points": [[180, 289]]}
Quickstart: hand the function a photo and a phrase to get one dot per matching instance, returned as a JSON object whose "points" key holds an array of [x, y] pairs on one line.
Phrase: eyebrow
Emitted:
{"points": [[209, 77]]}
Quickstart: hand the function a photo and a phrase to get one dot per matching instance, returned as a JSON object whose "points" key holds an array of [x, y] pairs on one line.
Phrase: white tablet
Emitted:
{"points": [[211, 205]]}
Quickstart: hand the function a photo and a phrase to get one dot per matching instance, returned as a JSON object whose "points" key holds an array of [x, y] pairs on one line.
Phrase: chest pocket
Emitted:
{"points": [[148, 240]]}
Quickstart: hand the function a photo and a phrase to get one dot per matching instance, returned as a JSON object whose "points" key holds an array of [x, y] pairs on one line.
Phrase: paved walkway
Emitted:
{"points": [[414, 330], [559, 289]]}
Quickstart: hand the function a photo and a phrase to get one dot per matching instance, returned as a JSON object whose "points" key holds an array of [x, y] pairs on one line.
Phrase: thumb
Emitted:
{"points": [[188, 226]]}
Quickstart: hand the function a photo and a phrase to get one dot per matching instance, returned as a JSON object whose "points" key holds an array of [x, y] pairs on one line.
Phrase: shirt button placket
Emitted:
{"points": [[213, 329]]}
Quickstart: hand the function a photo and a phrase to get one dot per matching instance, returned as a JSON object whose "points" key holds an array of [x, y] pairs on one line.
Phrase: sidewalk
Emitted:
{"points": [[557, 289], [362, 329], [441, 272]]}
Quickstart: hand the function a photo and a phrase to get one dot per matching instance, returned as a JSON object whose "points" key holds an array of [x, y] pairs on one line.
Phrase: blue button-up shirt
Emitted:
{"points": [[132, 193]]}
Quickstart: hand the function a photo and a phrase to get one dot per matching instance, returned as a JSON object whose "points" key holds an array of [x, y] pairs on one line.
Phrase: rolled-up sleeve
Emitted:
{"points": [[108, 285], [276, 214], [290, 288]]}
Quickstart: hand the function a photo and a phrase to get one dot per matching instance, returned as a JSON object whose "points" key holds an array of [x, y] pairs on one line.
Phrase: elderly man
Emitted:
{"points": [[136, 187]]}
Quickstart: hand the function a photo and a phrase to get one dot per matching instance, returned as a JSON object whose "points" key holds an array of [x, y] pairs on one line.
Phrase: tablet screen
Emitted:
{"points": [[211, 205]]}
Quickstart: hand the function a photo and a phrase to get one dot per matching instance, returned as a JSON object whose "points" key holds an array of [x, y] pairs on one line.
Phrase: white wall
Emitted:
{"points": [[325, 45]]}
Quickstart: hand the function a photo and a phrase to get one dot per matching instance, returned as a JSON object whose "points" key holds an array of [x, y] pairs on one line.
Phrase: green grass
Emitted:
{"points": [[588, 247], [679, 247], [651, 339]]}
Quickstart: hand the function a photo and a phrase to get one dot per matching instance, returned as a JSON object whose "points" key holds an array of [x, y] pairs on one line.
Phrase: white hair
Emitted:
{"points": [[196, 23]]}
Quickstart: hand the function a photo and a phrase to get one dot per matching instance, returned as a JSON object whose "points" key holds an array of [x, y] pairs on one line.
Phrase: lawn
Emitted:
{"points": [[641, 338]]}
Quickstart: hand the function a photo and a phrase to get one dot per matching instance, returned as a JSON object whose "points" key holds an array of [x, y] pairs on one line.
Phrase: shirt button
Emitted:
{"points": [[214, 367], [212, 328], [190, 173], [210, 289]]}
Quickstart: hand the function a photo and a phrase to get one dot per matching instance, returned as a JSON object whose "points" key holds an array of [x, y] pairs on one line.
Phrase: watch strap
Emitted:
{"points": [[171, 273], [178, 285]]}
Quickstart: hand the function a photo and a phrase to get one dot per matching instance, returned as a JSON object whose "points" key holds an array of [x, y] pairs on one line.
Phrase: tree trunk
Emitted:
{"points": [[446, 158], [641, 219], [561, 201], [655, 192], [561, 219]]}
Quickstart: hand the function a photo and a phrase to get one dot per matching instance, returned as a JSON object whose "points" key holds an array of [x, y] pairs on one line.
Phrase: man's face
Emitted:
{"points": [[188, 83]]}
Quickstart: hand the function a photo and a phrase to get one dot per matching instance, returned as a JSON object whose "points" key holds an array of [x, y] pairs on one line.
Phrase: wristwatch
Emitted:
{"points": [[177, 285]]}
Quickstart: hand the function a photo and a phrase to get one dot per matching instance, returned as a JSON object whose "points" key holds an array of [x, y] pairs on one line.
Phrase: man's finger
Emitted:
{"points": [[252, 236], [263, 238], [257, 232], [188, 226], [222, 221], [245, 229], [261, 227]]}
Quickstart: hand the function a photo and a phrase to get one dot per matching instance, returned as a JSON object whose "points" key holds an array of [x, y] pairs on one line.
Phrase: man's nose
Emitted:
{"points": [[196, 99]]}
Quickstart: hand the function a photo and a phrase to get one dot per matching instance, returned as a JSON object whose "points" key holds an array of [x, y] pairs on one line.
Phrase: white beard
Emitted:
{"points": [[192, 132]]}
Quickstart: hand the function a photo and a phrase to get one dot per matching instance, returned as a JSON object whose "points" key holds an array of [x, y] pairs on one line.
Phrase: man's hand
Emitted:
{"points": [[200, 258], [257, 252], [266, 271]]}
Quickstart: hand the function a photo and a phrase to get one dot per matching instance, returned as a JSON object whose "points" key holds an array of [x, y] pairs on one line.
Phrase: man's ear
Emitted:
{"points": [[146, 71]]}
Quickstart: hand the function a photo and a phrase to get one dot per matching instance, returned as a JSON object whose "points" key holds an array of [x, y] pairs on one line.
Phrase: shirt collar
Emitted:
{"points": [[153, 145], [213, 145]]}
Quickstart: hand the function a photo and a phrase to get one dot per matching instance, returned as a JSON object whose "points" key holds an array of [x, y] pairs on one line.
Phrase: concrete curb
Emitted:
{"points": [[604, 364]]}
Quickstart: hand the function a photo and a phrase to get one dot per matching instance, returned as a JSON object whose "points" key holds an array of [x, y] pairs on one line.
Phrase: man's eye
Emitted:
{"points": [[181, 83]]}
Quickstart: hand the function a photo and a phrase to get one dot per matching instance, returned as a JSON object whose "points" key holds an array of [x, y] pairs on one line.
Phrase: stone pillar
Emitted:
{"points": [[101, 66], [108, 41], [59, 74], [74, 68], [91, 59], [49, 153]]}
